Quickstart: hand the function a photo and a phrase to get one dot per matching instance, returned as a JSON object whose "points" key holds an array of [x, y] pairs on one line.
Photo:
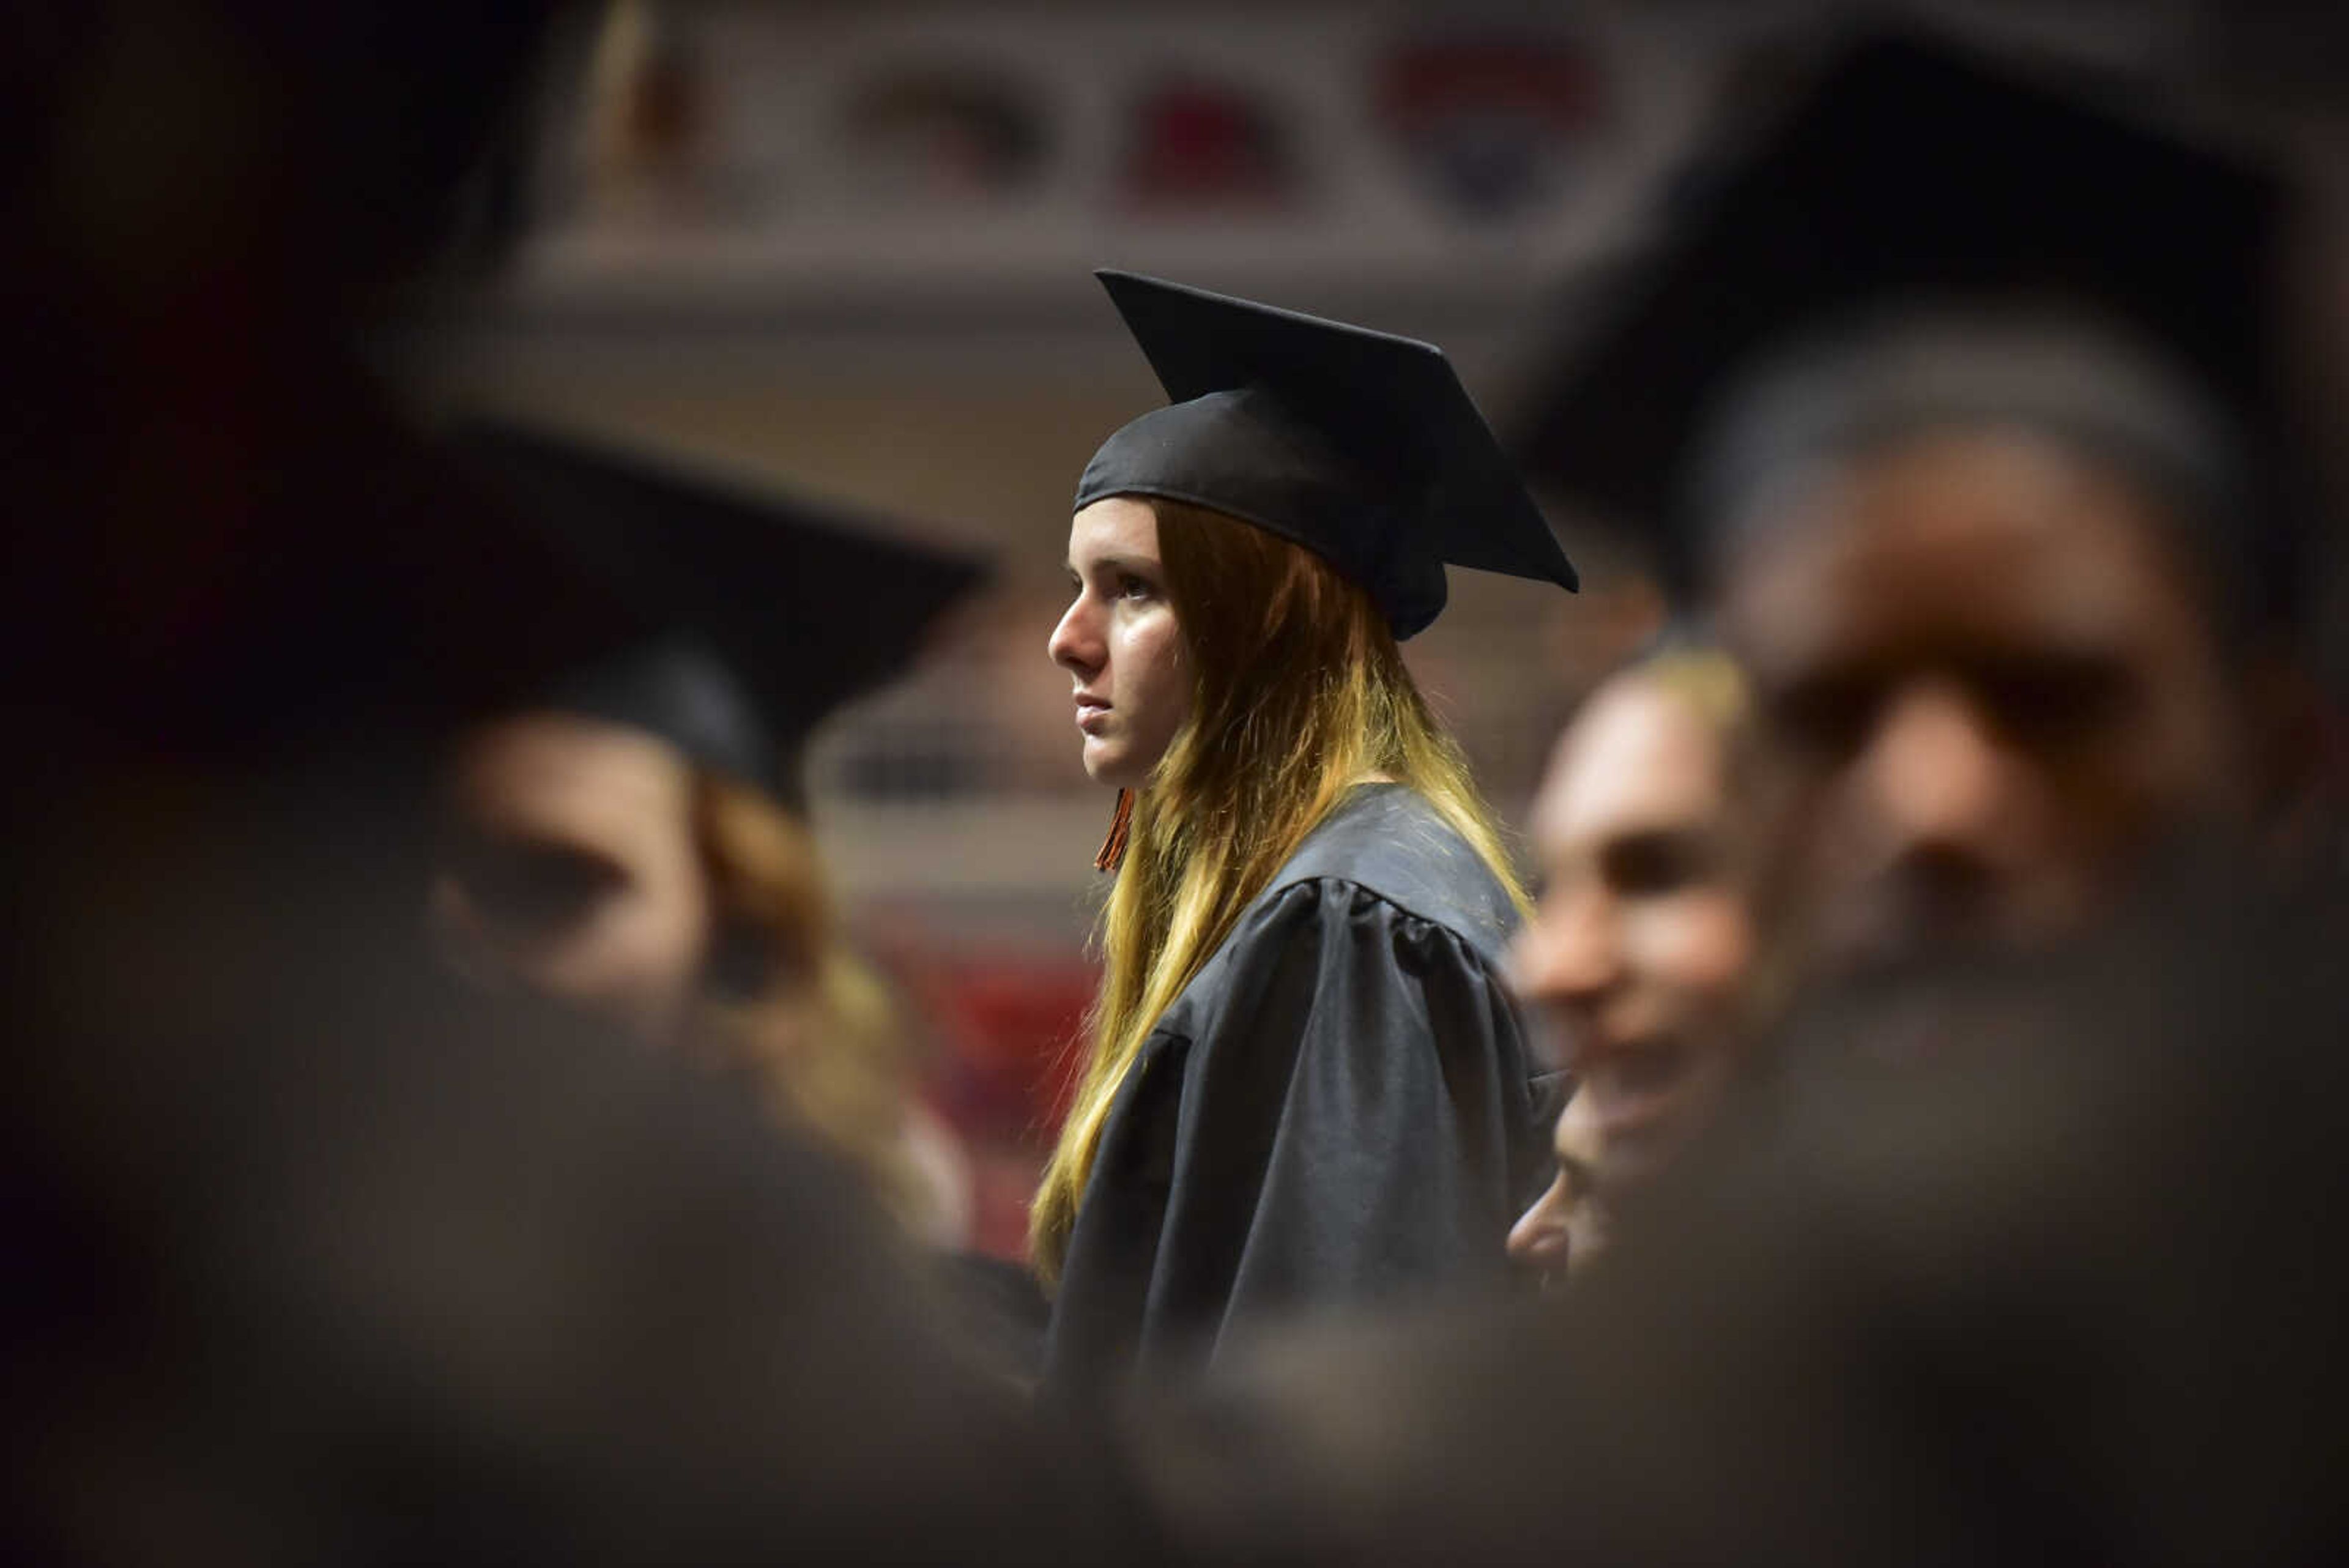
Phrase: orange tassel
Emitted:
{"points": [[1113, 849]]}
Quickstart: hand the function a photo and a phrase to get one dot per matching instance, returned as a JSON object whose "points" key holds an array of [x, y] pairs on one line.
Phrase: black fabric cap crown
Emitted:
{"points": [[1361, 446], [1909, 173], [681, 688], [778, 611]]}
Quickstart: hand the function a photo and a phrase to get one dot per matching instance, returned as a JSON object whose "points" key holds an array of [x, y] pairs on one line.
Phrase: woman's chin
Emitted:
{"points": [[1106, 764]]}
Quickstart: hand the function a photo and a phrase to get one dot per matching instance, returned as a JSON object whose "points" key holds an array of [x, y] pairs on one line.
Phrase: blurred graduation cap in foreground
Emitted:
{"points": [[1361, 446], [1910, 178], [773, 610]]}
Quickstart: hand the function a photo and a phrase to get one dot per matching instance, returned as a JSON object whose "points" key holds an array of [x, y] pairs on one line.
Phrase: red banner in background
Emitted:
{"points": [[1008, 1028]]}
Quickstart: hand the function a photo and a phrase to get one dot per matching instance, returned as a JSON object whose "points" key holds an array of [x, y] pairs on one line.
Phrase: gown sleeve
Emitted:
{"points": [[1345, 1116]]}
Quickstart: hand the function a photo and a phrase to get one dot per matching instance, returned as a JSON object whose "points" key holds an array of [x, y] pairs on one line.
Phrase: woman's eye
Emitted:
{"points": [[1130, 586]]}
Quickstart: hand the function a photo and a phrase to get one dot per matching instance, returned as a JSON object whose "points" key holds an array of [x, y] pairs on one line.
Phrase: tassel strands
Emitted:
{"points": [[1113, 849]]}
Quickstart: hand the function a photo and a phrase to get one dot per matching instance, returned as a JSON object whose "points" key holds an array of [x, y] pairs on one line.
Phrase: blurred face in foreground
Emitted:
{"points": [[570, 868], [1641, 941], [1566, 1225], [1120, 643], [1987, 691]]}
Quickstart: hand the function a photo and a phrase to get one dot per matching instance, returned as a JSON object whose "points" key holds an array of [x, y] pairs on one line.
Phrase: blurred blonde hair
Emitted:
{"points": [[787, 1002], [1299, 693], [1705, 678]]}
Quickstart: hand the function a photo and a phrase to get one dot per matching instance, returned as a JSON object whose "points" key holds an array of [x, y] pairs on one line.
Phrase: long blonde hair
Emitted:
{"points": [[1299, 693]]}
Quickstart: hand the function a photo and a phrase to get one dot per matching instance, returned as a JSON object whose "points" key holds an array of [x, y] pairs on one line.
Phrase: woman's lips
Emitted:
{"points": [[1090, 713]]}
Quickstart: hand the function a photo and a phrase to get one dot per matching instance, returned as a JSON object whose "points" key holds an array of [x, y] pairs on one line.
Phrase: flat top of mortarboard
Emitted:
{"points": [[805, 604], [1378, 458]]}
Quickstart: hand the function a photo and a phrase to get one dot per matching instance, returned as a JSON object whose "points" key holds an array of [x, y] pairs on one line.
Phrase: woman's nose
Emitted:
{"points": [[1076, 643]]}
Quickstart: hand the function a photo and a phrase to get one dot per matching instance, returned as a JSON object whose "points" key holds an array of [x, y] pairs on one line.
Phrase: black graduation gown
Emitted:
{"points": [[1339, 1110]]}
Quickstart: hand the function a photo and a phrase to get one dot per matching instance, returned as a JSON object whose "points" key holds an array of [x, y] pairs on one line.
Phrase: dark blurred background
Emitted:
{"points": [[846, 247]]}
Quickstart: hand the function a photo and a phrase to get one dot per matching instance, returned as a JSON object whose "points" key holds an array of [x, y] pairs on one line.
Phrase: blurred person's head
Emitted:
{"points": [[1565, 1226], [1642, 938], [632, 839], [1998, 669], [599, 865], [592, 863]]}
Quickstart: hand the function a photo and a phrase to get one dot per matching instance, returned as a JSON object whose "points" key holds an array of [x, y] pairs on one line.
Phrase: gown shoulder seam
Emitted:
{"points": [[1450, 927]]}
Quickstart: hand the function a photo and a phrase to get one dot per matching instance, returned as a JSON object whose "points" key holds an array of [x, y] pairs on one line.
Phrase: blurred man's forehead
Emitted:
{"points": [[1638, 757], [1984, 537]]}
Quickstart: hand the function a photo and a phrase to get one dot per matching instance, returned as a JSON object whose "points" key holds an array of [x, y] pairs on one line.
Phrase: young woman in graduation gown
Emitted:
{"points": [[1305, 1088]]}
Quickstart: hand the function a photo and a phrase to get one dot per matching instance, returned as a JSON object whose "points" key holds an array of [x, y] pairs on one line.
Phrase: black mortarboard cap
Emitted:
{"points": [[776, 609], [1362, 447], [1907, 171]]}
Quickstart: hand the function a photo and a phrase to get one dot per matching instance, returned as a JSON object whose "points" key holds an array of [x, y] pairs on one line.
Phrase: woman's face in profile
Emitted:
{"points": [[569, 868], [1118, 641]]}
